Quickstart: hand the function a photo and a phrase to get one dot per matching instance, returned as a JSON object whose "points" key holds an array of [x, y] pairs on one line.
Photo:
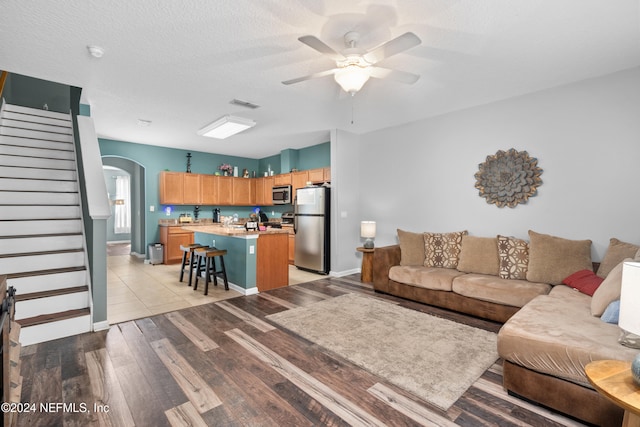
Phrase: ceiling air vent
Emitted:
{"points": [[245, 104]]}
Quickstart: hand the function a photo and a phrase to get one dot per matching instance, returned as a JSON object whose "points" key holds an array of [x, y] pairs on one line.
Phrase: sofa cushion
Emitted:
{"points": [[616, 252], [552, 258], [443, 249], [411, 248], [555, 334], [608, 291], [439, 279], [515, 293], [513, 257], [585, 281], [479, 255]]}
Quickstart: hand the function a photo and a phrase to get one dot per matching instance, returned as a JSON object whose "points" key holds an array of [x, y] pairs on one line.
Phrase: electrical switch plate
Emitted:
{"points": [[152, 208], [214, 243], [252, 249], [343, 214]]}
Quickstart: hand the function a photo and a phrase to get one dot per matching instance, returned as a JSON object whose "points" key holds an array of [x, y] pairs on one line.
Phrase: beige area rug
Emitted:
{"points": [[435, 359]]}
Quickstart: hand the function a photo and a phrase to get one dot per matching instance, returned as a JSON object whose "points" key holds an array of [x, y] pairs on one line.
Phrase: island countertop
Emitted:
{"points": [[235, 231]]}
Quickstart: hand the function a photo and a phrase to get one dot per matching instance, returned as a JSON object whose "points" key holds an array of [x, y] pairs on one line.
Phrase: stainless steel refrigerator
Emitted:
{"points": [[311, 226]]}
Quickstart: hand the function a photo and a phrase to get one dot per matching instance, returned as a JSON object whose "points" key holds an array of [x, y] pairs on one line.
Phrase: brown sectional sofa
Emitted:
{"points": [[550, 332]]}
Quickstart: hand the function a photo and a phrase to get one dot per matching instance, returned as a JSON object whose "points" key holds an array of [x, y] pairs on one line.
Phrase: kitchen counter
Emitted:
{"points": [[234, 231], [256, 260]]}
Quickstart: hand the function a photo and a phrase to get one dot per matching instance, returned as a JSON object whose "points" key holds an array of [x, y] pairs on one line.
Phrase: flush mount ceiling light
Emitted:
{"points": [[144, 123], [226, 126]]}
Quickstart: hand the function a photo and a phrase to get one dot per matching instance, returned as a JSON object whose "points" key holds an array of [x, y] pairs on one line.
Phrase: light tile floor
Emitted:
{"points": [[136, 289]]}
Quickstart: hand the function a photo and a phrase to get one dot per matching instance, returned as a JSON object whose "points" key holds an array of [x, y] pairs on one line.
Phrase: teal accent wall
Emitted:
{"points": [[85, 110], [155, 159], [314, 157], [273, 161]]}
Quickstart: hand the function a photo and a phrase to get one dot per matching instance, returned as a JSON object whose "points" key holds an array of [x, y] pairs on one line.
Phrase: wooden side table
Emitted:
{"points": [[612, 379], [366, 273]]}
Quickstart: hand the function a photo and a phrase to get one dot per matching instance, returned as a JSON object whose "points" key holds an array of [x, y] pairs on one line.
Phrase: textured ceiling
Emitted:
{"points": [[179, 63]]}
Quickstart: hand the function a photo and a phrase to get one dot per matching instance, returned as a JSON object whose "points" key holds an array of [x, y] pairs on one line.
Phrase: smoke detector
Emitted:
{"points": [[95, 51]]}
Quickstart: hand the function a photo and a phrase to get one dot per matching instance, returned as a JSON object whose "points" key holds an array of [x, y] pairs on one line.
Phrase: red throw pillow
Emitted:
{"points": [[584, 281]]}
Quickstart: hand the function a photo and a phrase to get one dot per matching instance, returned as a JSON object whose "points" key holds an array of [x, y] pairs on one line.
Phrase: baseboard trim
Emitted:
{"points": [[243, 291], [101, 326], [344, 273]]}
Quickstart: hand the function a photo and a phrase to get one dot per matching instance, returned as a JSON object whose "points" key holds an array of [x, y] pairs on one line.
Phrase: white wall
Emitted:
{"points": [[345, 210], [586, 137]]}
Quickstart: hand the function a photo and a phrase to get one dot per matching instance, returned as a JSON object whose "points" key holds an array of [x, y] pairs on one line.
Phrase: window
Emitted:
{"points": [[122, 218]]}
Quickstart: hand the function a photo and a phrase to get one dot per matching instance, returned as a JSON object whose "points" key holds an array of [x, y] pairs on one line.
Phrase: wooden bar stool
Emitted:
{"points": [[207, 260], [187, 251]]}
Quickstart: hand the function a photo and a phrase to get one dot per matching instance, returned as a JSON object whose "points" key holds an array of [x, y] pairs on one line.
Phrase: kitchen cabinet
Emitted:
{"points": [[292, 247], [178, 188], [191, 189], [244, 190], [172, 238], [327, 174], [171, 188], [264, 188], [272, 262], [208, 190], [282, 179], [224, 190], [316, 175], [298, 180]]}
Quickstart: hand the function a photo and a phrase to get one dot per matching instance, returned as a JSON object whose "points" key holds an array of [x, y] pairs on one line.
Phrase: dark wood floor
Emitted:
{"points": [[223, 364]]}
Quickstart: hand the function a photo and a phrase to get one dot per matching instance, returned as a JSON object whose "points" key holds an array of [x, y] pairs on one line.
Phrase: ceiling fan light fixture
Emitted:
{"points": [[226, 126], [351, 78]]}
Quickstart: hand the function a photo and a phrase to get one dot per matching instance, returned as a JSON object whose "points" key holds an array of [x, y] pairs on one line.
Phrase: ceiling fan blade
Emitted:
{"points": [[317, 44], [392, 47], [311, 76], [396, 75]]}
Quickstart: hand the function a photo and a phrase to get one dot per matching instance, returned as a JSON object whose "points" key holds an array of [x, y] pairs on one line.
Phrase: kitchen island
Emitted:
{"points": [[256, 261]]}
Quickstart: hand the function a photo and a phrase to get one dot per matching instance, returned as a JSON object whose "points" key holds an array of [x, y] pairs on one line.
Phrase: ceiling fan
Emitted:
{"points": [[355, 65]]}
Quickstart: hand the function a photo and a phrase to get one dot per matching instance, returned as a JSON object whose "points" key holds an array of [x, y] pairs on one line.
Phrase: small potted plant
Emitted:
{"points": [[226, 169]]}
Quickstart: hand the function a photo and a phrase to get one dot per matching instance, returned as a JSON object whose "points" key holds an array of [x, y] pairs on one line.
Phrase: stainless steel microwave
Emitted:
{"points": [[281, 195]]}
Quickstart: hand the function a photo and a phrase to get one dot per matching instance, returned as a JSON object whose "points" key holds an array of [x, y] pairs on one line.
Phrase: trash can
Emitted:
{"points": [[156, 253]]}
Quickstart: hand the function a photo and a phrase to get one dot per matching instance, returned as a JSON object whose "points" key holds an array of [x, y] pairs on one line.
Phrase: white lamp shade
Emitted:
{"points": [[630, 298], [351, 78], [368, 229]]}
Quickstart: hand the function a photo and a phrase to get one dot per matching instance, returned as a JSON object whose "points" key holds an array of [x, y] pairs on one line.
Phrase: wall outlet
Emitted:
{"points": [[252, 249], [214, 243], [152, 208]]}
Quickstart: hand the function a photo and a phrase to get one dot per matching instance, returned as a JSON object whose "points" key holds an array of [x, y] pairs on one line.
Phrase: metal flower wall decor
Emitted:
{"points": [[508, 178]]}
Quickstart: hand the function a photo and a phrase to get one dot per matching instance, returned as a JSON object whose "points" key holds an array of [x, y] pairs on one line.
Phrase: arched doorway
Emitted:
{"points": [[136, 173]]}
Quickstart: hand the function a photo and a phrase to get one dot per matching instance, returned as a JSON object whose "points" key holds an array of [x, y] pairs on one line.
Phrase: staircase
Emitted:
{"points": [[42, 248]]}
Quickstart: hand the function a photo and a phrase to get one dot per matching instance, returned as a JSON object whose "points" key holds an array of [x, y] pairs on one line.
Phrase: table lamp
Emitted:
{"points": [[630, 312], [368, 232]]}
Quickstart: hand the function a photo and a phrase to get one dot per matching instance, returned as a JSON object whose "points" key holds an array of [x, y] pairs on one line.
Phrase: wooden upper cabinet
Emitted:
{"points": [[282, 179], [264, 196], [208, 189], [224, 190], [191, 186], [316, 175], [298, 180], [171, 188], [244, 190]]}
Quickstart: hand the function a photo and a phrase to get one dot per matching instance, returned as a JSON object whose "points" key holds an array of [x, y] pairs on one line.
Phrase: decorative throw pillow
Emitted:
{"points": [[616, 252], [411, 248], [551, 258], [513, 255], [442, 249], [612, 313], [479, 255], [608, 291], [584, 281]]}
